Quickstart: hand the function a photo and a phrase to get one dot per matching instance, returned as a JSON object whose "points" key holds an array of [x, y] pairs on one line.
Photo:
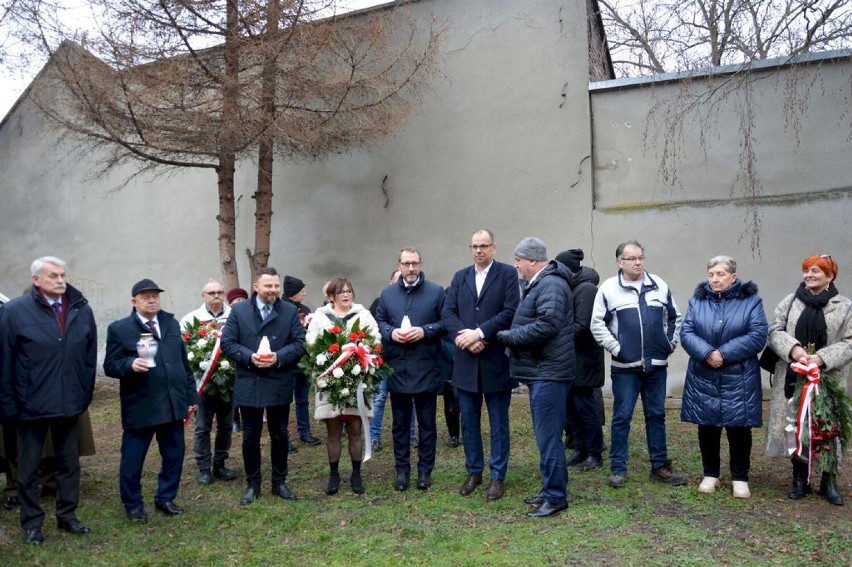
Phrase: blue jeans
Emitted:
{"points": [[497, 403], [547, 408], [380, 399], [626, 389]]}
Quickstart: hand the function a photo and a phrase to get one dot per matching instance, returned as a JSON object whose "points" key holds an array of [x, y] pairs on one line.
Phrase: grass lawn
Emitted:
{"points": [[641, 524]]}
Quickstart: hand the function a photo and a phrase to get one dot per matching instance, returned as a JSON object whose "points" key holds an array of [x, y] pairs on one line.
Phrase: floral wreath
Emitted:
{"points": [[214, 372]]}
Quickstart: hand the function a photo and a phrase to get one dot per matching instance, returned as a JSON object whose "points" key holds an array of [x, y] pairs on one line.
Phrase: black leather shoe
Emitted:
{"points": [[496, 489], [72, 526], [591, 463], [223, 473], [33, 536], [454, 441], [292, 448], [282, 491], [473, 480], [401, 482], [424, 480], [137, 516], [576, 458], [11, 503], [205, 478], [250, 496], [309, 440], [547, 509], [534, 500], [357, 484], [169, 508]]}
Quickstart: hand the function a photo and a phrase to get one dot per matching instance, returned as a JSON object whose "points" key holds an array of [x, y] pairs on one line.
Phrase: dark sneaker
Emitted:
{"points": [[617, 480], [667, 475]]}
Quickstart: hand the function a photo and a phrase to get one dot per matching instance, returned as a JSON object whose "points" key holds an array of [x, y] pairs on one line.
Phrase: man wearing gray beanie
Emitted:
{"points": [[541, 343]]}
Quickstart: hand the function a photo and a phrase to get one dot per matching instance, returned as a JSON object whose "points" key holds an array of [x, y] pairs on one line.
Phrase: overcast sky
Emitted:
{"points": [[12, 87]]}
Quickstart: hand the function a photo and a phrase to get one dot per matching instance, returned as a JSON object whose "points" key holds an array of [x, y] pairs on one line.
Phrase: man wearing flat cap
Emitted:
{"points": [[155, 399], [294, 293], [541, 344]]}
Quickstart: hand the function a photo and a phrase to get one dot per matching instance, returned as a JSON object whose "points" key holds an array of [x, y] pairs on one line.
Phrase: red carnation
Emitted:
{"points": [[361, 334], [379, 361], [334, 348], [186, 336], [336, 329], [353, 336], [202, 332], [212, 324], [378, 348]]}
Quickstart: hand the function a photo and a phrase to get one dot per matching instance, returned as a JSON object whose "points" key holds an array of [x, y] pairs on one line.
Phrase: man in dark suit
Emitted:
{"points": [[264, 380], [155, 399], [482, 301], [48, 350]]}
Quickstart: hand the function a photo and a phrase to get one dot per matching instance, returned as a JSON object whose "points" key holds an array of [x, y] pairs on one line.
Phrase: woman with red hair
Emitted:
{"points": [[814, 323]]}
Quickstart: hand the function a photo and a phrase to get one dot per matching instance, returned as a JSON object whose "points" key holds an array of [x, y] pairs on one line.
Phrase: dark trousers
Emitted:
{"points": [[497, 403], [547, 408], [301, 392], [452, 413], [10, 462], [739, 442], [584, 418], [276, 423], [31, 437], [208, 408], [426, 406], [134, 448]]}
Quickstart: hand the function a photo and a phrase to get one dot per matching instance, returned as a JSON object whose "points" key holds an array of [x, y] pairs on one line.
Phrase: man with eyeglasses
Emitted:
{"points": [[636, 319], [409, 318], [481, 301], [213, 309]]}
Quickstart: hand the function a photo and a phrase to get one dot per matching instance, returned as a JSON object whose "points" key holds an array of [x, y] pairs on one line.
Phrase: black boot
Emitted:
{"points": [[333, 478], [355, 480], [828, 488], [800, 481]]}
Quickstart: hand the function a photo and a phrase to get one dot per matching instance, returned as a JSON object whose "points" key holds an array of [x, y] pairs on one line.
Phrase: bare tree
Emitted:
{"points": [[199, 83], [660, 36]]}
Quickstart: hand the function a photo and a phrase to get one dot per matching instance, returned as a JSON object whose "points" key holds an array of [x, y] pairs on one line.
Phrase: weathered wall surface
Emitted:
{"points": [[497, 143], [802, 162]]}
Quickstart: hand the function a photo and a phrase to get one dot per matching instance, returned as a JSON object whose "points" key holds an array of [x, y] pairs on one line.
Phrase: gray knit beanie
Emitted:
{"points": [[532, 248]]}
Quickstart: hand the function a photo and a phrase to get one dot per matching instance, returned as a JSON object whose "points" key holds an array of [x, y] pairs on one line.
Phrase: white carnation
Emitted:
{"points": [[321, 359], [190, 355], [356, 370], [321, 383], [225, 364], [204, 365], [344, 392], [338, 372], [201, 343]]}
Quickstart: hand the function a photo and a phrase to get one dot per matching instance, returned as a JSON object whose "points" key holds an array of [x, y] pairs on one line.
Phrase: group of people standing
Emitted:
{"points": [[547, 330]]}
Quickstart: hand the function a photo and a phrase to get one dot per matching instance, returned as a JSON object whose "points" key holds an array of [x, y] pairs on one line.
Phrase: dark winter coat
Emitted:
{"points": [[164, 393], [46, 373], [732, 321], [416, 366], [263, 387], [490, 311], [541, 338], [590, 372]]}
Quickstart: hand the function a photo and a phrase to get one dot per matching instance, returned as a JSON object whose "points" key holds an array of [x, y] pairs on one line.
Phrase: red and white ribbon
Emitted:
{"points": [[201, 384], [359, 351], [803, 415]]}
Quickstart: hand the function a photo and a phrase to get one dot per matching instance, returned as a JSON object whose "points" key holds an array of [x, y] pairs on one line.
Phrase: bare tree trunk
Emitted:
{"points": [[227, 152], [263, 193]]}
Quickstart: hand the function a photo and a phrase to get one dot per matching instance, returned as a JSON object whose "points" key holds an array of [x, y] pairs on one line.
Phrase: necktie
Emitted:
{"points": [[266, 311], [153, 326], [57, 308]]}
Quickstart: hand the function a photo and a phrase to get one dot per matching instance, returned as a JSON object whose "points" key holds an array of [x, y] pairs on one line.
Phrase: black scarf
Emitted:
{"points": [[811, 327]]}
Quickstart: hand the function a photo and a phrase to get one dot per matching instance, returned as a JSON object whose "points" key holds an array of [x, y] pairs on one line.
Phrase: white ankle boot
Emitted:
{"points": [[708, 485], [741, 489]]}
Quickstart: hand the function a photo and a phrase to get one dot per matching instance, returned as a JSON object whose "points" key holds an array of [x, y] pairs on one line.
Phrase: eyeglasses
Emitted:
{"points": [[825, 256], [345, 292], [215, 293], [410, 264], [478, 247], [633, 259]]}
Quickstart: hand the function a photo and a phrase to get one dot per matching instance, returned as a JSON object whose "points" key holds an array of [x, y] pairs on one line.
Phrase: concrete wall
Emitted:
{"points": [[805, 175], [497, 143]]}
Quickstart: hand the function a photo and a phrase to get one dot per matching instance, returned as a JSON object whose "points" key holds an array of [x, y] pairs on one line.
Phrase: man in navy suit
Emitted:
{"points": [[482, 301], [264, 382]]}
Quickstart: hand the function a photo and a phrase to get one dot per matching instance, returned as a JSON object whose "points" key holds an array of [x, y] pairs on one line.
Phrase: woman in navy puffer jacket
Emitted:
{"points": [[723, 331]]}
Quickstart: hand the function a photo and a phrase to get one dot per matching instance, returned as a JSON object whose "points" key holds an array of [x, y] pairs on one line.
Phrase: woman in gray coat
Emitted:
{"points": [[815, 314]]}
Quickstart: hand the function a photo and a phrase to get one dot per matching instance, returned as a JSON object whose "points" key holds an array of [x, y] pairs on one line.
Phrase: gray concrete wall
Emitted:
{"points": [[805, 173]]}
